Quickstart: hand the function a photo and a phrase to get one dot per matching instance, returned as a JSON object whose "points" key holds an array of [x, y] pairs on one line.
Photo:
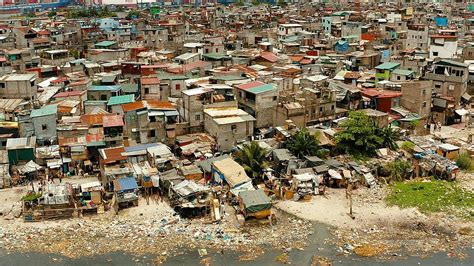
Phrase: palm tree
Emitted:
{"points": [[303, 144], [253, 159], [390, 137]]}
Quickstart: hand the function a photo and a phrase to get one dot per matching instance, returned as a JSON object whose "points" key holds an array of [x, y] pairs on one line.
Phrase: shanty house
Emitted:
{"points": [[21, 150], [254, 203], [44, 123], [229, 171]]}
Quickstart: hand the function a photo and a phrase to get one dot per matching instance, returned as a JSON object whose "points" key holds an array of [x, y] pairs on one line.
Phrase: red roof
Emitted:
{"points": [[152, 104], [372, 93], [68, 94], [269, 56], [305, 61], [93, 119], [79, 83], [59, 80], [150, 81], [443, 36], [250, 85], [189, 67], [3, 59], [113, 154], [112, 121]]}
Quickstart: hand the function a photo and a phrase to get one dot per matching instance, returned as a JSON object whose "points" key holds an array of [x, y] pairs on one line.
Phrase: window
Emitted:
{"points": [[424, 104], [44, 126], [424, 92], [320, 109], [233, 127], [197, 117], [147, 90], [103, 97], [275, 98], [152, 118], [332, 107], [438, 86], [152, 134], [435, 53], [2, 85], [398, 77], [177, 87]]}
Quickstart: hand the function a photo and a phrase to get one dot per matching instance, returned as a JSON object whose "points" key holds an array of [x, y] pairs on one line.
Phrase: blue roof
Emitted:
{"points": [[140, 147], [128, 183], [105, 88]]}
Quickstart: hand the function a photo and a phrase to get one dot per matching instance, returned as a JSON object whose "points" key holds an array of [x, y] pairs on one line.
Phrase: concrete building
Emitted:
{"points": [[259, 100], [444, 44], [196, 100], [229, 126], [416, 97], [150, 121], [417, 37], [287, 30], [18, 86], [449, 78], [44, 123]]}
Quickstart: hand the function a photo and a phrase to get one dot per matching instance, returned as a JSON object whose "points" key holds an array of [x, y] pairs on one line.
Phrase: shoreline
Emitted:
{"points": [[378, 231]]}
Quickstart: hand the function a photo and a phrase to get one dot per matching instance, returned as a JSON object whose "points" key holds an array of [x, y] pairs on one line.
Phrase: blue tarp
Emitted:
{"points": [[441, 22], [342, 46], [128, 183]]}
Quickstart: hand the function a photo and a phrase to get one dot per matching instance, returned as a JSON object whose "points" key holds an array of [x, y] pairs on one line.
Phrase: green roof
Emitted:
{"points": [[164, 76], [350, 37], [340, 13], [105, 88], [116, 100], [94, 102], [403, 72], [261, 89], [129, 88], [216, 56], [45, 110], [387, 66], [105, 44], [108, 79], [95, 143], [450, 63], [228, 78]]}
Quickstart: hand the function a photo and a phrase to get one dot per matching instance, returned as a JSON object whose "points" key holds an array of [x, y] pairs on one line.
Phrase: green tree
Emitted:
{"points": [[255, 2], [134, 14], [464, 161], [303, 143], [239, 3], [253, 159], [399, 170], [389, 137], [358, 135]]}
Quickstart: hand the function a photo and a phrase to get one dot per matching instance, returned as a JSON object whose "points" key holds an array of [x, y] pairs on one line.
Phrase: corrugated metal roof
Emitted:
{"points": [[9, 105], [128, 183], [105, 44], [112, 121], [261, 89], [105, 88], [122, 99], [44, 111], [387, 66], [21, 143]]}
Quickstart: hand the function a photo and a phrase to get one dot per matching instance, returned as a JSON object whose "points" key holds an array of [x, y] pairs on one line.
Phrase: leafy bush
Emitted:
{"points": [[464, 161], [399, 170], [408, 145], [432, 196]]}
